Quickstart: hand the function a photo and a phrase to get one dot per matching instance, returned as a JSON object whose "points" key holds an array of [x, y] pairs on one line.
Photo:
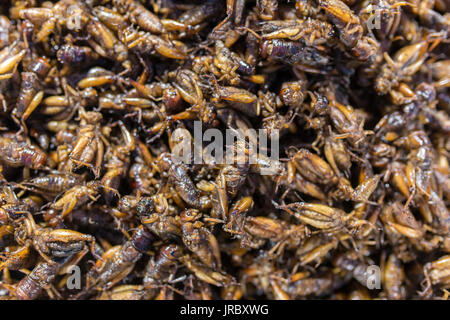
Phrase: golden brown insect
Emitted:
{"points": [[66, 13], [227, 184], [53, 243], [322, 217], [306, 8], [308, 286], [235, 215], [436, 273], [163, 266], [351, 34], [105, 43], [428, 15], [139, 15], [17, 259], [315, 250], [187, 85], [130, 37], [16, 152], [311, 31], [313, 167], [153, 214], [77, 195], [267, 9], [198, 14], [51, 184], [239, 99], [337, 155], [206, 274], [31, 93], [401, 67], [293, 93], [117, 163], [10, 57], [393, 277], [202, 243], [348, 122], [126, 292], [89, 146], [401, 221], [146, 43]]}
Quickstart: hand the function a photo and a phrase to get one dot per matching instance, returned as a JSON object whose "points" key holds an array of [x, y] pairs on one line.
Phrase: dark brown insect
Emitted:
{"points": [[16, 152]]}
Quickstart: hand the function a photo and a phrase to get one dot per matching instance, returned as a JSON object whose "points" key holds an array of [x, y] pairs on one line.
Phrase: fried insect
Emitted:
{"points": [[117, 262], [16, 152], [401, 67], [89, 146], [115, 116], [322, 217], [53, 243]]}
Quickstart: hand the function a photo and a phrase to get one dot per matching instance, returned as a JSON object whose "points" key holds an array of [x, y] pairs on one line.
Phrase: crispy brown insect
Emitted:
{"points": [[16, 152]]}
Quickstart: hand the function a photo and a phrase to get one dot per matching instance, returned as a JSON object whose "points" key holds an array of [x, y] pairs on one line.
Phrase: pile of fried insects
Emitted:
{"points": [[94, 203]]}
